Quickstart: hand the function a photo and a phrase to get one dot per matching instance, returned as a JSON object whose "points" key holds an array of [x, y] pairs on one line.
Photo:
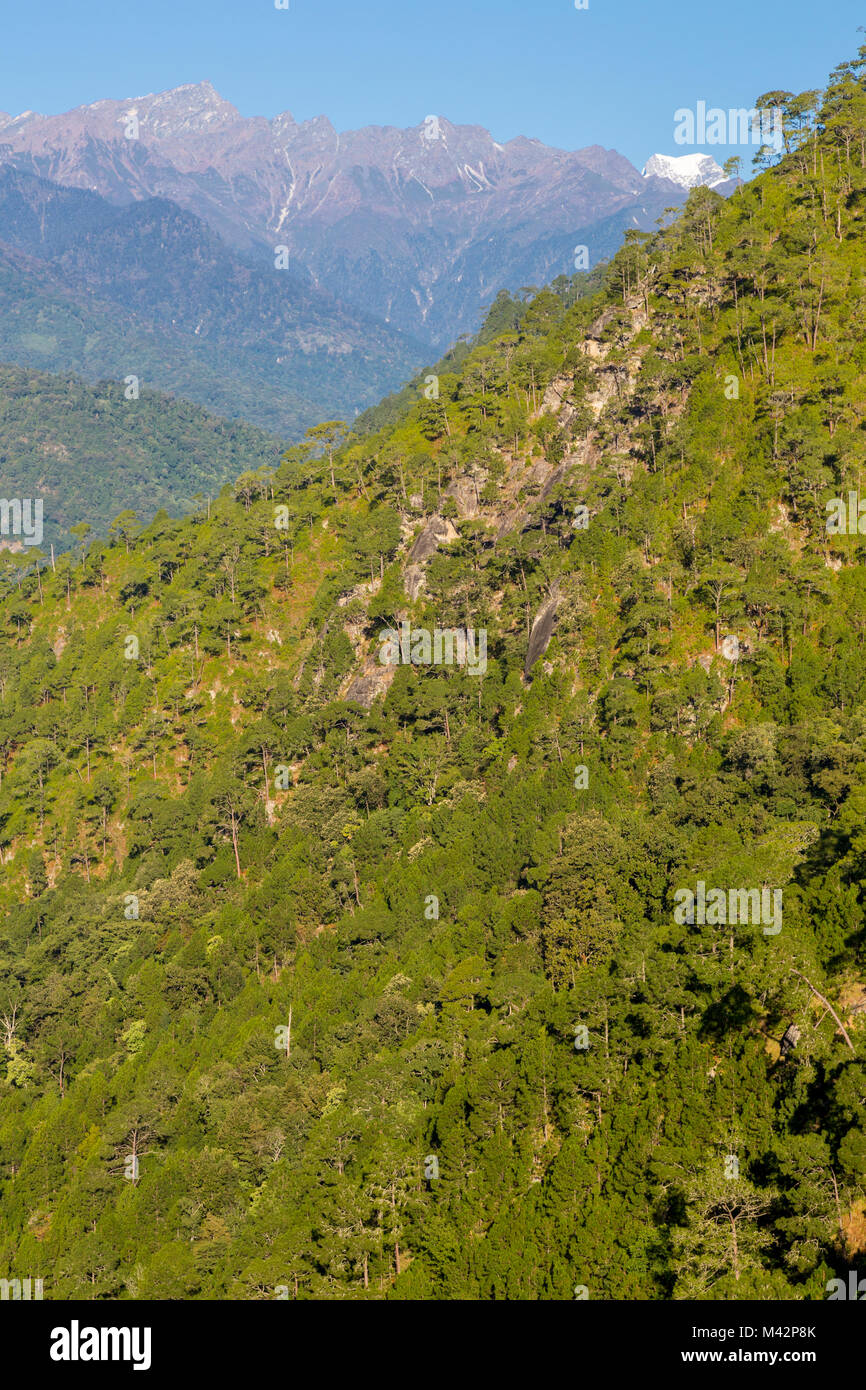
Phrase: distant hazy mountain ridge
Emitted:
{"points": [[147, 288], [420, 227]]}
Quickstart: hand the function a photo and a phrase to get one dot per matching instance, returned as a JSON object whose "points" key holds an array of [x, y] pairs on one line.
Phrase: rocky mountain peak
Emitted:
{"points": [[413, 226], [686, 170], [191, 109]]}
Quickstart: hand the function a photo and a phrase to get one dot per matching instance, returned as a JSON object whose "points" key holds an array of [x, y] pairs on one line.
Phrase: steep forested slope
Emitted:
{"points": [[327, 978]]}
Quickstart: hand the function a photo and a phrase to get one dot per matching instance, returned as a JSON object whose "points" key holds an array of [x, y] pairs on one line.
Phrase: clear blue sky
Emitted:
{"points": [[613, 74]]}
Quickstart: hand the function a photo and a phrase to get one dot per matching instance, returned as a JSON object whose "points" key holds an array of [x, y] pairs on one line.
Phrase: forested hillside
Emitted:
{"points": [[326, 978], [105, 291], [87, 451]]}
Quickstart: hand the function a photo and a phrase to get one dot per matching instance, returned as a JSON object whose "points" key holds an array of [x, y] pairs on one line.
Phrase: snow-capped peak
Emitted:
{"points": [[688, 170]]}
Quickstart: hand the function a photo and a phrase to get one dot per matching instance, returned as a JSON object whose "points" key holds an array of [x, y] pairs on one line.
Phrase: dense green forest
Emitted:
{"points": [[86, 450], [325, 978], [47, 328]]}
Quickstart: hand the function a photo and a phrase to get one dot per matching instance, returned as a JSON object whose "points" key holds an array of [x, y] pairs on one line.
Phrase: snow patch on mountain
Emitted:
{"points": [[687, 170]]}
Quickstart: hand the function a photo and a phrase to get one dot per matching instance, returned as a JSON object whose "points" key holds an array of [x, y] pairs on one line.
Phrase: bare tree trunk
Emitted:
{"points": [[820, 996]]}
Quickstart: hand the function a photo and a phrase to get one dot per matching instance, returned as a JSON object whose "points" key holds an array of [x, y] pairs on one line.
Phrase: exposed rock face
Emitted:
{"points": [[556, 477], [437, 532], [370, 684], [413, 581], [420, 227], [541, 632], [517, 506]]}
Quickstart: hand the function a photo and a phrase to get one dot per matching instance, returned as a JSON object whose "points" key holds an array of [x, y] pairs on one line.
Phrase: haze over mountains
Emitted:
{"points": [[419, 228], [148, 289]]}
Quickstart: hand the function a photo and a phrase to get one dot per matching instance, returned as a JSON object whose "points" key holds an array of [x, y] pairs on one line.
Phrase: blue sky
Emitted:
{"points": [[612, 74]]}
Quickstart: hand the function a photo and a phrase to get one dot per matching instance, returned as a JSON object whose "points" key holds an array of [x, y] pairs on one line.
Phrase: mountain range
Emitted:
{"points": [[418, 228], [149, 289]]}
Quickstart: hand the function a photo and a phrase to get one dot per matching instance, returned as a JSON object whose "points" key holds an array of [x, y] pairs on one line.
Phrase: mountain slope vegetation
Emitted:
{"points": [[326, 978], [149, 289], [84, 450]]}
